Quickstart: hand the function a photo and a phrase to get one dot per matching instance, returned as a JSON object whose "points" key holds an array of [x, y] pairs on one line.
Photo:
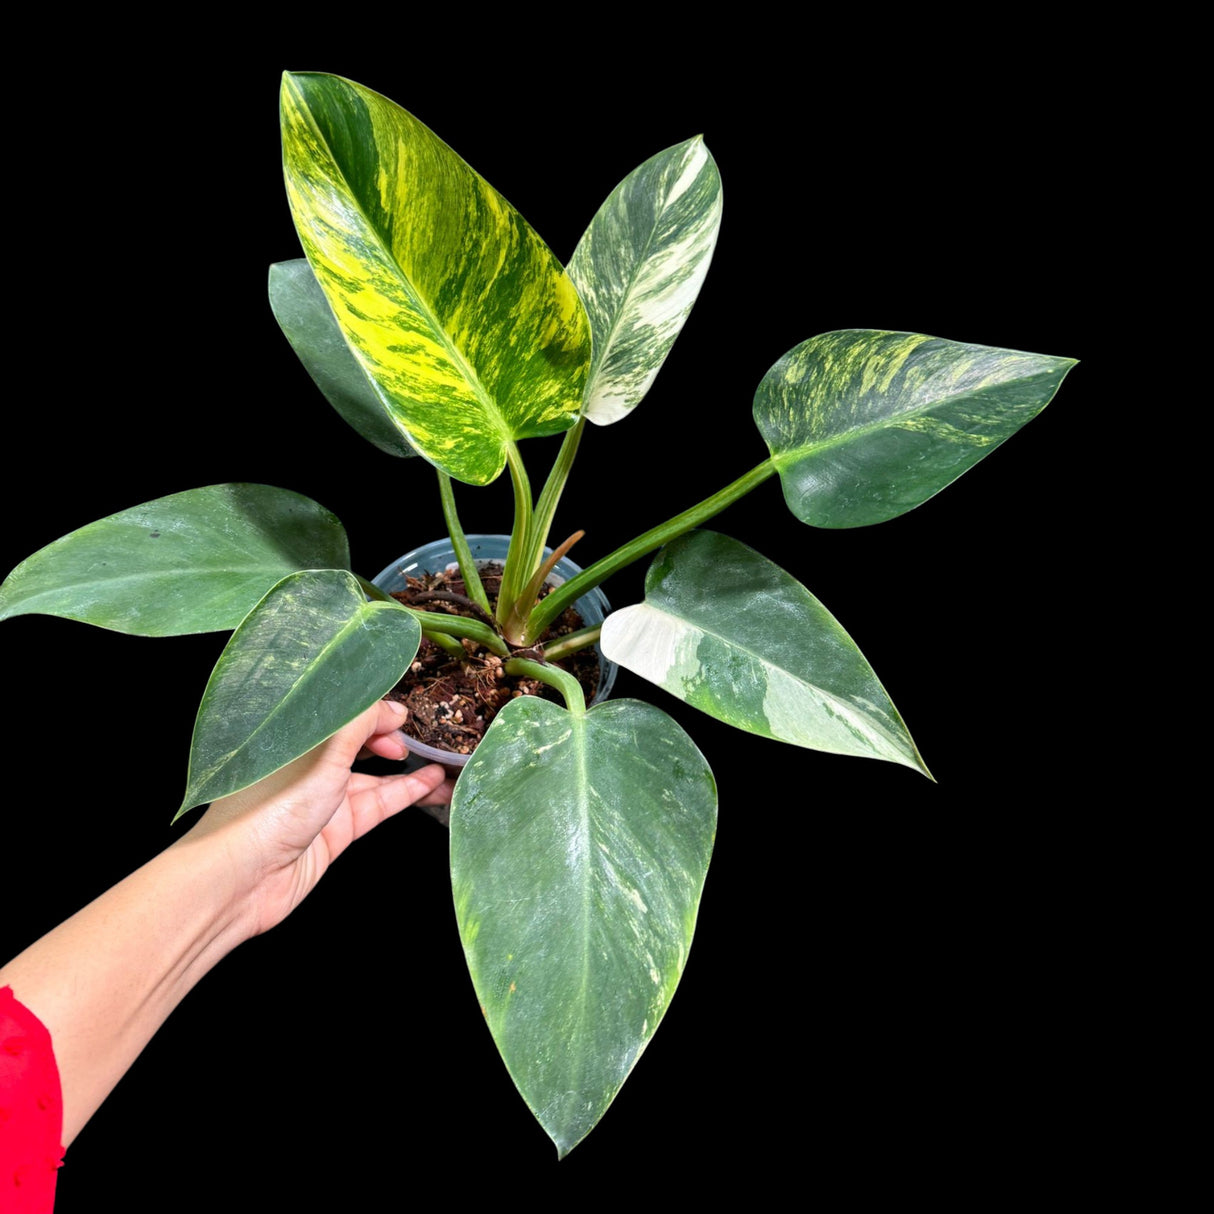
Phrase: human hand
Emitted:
{"points": [[104, 981], [282, 833]]}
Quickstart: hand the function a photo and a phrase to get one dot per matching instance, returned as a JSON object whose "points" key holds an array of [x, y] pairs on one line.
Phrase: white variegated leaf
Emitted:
{"points": [[759, 652], [639, 268]]}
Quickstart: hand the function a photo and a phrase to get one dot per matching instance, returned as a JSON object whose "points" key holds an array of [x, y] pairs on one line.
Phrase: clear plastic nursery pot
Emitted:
{"points": [[439, 554]]}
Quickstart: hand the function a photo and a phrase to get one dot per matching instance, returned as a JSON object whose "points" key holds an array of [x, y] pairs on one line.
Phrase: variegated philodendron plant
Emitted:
{"points": [[439, 324]]}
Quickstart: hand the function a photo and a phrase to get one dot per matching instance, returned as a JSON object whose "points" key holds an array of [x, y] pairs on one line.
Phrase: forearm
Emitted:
{"points": [[105, 980]]}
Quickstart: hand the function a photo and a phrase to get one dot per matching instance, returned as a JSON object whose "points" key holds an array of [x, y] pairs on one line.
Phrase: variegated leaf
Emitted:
{"points": [[579, 846], [759, 652], [196, 561], [864, 425], [311, 656], [454, 307], [307, 321], [639, 268]]}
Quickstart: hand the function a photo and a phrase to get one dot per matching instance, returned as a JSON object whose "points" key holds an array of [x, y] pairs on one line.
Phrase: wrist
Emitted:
{"points": [[212, 862]]}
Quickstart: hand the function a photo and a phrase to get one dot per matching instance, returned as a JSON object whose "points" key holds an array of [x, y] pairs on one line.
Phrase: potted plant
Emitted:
{"points": [[437, 323]]}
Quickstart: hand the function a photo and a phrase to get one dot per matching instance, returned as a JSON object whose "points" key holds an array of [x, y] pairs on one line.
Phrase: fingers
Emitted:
{"points": [[390, 716], [375, 798], [383, 722], [386, 746], [441, 795]]}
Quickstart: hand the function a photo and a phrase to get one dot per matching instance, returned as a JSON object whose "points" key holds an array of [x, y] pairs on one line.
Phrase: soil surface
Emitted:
{"points": [[452, 700]]}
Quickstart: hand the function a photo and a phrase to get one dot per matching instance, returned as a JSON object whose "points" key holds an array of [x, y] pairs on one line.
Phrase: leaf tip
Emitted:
{"points": [[563, 1143], [183, 809], [916, 763]]}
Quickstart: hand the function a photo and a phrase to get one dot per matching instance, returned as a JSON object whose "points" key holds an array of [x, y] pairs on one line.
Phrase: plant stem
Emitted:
{"points": [[554, 486], [461, 626], [571, 642], [463, 554], [516, 573], [449, 596], [373, 592], [443, 641], [565, 595], [554, 676]]}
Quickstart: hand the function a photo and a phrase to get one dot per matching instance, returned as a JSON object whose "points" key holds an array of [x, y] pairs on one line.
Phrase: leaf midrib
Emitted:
{"points": [[789, 454], [355, 621], [583, 784], [627, 298], [29, 601], [850, 707], [457, 357], [631, 288], [191, 571]]}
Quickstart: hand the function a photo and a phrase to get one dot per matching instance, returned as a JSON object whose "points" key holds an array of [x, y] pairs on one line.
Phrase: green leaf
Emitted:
{"points": [[639, 268], [579, 846], [304, 315], [454, 307], [311, 656], [191, 562], [734, 635], [865, 425]]}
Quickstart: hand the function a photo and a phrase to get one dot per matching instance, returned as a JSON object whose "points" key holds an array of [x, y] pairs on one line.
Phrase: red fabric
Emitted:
{"points": [[31, 1111]]}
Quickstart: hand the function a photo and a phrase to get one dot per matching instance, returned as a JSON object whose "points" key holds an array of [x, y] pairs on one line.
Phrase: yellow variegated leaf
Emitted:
{"points": [[864, 425], [452, 304]]}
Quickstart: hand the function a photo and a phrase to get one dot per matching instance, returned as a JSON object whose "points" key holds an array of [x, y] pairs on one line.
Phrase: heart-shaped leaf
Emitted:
{"points": [[311, 656], [471, 331], [307, 321], [191, 562], [759, 652], [865, 425], [639, 268], [579, 846]]}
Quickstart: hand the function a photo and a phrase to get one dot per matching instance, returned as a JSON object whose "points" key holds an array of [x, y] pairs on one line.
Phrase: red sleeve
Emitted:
{"points": [[31, 1111]]}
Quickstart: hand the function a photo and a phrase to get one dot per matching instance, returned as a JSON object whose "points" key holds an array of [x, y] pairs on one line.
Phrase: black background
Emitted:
{"points": [[880, 989]]}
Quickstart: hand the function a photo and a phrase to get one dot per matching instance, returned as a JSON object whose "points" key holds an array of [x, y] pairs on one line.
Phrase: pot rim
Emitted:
{"points": [[393, 577]]}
